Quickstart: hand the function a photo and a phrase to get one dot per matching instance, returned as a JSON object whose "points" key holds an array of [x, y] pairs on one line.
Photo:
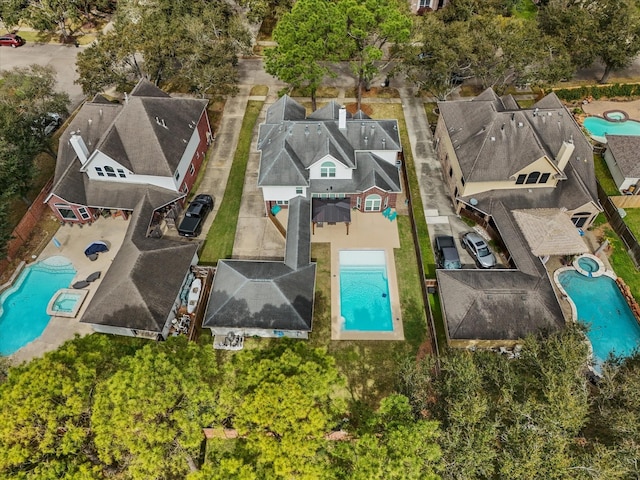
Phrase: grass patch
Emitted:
{"points": [[259, 90], [373, 92], [632, 220], [526, 103], [221, 235], [321, 92], [604, 176], [622, 263], [432, 116]]}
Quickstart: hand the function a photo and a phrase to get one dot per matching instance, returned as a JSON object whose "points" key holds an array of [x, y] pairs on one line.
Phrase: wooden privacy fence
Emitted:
{"points": [[22, 232], [626, 201], [414, 230], [617, 223]]}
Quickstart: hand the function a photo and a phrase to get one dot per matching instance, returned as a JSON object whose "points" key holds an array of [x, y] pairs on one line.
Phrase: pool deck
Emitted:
{"points": [[368, 231], [598, 107], [73, 241]]}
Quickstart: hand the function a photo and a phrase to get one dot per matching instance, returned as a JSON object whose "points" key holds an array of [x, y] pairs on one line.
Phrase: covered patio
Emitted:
{"points": [[330, 211]]}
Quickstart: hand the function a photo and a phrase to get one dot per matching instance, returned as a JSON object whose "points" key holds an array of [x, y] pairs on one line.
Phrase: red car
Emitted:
{"points": [[11, 40]]}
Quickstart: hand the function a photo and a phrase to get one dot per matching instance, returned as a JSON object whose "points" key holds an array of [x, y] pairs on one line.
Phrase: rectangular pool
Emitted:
{"points": [[365, 304]]}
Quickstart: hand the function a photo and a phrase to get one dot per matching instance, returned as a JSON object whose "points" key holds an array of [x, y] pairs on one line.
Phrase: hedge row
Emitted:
{"points": [[598, 91]]}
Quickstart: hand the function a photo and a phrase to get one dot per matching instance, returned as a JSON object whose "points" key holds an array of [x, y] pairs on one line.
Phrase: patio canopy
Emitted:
{"points": [[549, 231], [330, 210]]}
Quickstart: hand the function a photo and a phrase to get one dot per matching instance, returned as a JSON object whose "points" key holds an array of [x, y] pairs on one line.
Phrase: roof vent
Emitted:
{"points": [[493, 139], [306, 131], [520, 124], [100, 112], [366, 139], [319, 129], [473, 201], [535, 112], [384, 143], [502, 127]]}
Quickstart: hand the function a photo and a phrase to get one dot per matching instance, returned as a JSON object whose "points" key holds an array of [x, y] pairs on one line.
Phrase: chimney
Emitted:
{"points": [[126, 98], [563, 156], [80, 148], [342, 118]]}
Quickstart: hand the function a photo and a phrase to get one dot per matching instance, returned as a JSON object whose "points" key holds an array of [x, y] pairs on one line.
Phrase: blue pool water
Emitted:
{"points": [[588, 265], [598, 127], [601, 306], [23, 307], [365, 304]]}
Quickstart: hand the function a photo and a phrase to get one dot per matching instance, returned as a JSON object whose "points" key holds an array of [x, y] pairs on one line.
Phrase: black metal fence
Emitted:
{"points": [[617, 223]]}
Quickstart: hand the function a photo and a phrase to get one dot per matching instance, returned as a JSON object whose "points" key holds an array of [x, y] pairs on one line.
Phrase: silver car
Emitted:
{"points": [[479, 249]]}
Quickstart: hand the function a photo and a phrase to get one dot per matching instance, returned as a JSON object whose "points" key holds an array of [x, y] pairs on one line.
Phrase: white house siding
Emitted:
{"points": [[187, 158], [274, 194], [621, 182], [342, 172], [99, 159]]}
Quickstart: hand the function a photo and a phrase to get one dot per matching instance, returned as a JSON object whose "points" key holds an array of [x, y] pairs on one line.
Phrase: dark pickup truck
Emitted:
{"points": [[194, 217]]}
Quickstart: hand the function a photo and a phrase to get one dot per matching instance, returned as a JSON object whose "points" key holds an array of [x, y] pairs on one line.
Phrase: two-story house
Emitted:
{"points": [[330, 156], [112, 153], [527, 176]]}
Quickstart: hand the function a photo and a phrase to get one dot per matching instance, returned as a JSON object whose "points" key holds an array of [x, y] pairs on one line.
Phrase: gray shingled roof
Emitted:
{"points": [[266, 295], [625, 150], [130, 134], [130, 295], [497, 304], [494, 140], [297, 251], [288, 148], [285, 108]]}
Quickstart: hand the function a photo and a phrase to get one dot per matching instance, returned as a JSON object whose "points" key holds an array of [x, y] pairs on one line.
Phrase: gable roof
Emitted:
{"points": [[130, 134], [288, 148], [494, 140], [130, 295], [624, 149], [285, 108]]}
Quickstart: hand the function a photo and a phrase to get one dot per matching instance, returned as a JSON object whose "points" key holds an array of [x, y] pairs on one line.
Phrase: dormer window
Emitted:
{"points": [[109, 171], [121, 173], [533, 178], [328, 170], [99, 171]]}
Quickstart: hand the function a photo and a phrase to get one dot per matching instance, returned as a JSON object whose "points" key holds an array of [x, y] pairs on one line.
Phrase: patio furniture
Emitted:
{"points": [[81, 284], [93, 277]]}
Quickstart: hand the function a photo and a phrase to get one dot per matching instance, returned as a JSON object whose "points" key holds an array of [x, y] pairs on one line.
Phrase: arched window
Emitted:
{"points": [[372, 203], [533, 178], [109, 171], [327, 169]]}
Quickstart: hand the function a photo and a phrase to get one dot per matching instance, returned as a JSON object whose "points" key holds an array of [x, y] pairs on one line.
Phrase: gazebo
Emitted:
{"points": [[550, 231], [330, 211]]}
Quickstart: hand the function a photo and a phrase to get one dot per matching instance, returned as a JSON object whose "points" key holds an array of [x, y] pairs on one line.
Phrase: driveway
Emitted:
{"points": [[61, 57]]}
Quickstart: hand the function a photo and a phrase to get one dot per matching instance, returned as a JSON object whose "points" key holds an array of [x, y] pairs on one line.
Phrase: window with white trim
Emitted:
{"points": [[109, 171], [298, 190], [282, 202], [372, 203], [84, 214], [358, 203], [192, 169], [121, 173], [328, 170], [99, 171], [65, 211]]}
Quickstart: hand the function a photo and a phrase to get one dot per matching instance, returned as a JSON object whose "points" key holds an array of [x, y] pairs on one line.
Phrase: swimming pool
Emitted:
{"points": [[365, 304], [23, 315], [599, 127], [601, 306]]}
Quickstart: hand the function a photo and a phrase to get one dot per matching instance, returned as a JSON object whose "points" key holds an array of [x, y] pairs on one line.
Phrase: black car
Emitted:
{"points": [[194, 217], [446, 253]]}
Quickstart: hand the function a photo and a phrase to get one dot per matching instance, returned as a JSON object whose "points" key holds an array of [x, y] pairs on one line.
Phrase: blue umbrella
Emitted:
{"points": [[96, 247]]}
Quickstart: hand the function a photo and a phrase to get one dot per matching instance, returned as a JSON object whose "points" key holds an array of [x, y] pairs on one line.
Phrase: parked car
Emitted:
{"points": [[194, 217], [479, 249], [446, 253], [11, 40], [48, 124]]}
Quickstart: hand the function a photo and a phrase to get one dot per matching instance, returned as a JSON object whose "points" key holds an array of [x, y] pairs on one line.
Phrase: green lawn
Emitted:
{"points": [[525, 9], [604, 176], [221, 235], [620, 260]]}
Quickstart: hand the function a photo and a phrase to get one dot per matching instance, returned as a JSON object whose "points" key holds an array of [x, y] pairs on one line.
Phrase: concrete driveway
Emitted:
{"points": [[61, 57]]}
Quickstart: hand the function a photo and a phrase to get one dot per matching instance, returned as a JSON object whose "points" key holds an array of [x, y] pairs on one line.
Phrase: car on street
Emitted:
{"points": [[11, 40], [447, 256], [479, 249], [196, 214]]}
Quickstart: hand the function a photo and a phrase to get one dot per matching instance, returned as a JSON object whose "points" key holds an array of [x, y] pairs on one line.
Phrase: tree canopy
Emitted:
{"points": [[193, 45]]}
